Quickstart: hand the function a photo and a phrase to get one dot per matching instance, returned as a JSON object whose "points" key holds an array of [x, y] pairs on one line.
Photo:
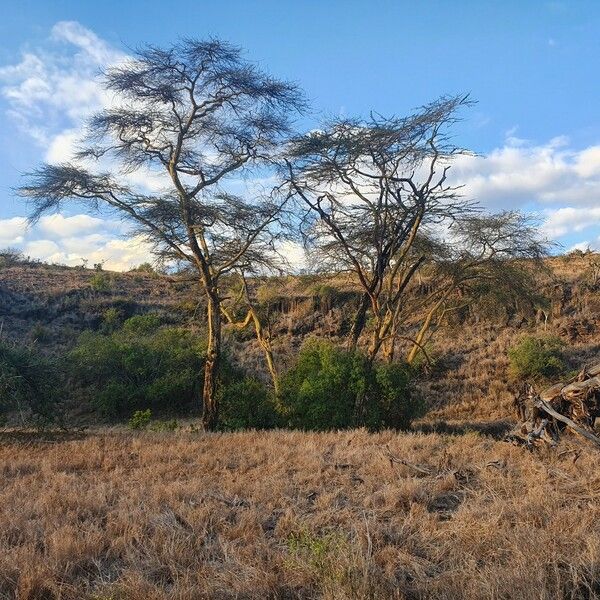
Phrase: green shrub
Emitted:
{"points": [[170, 425], [321, 391], [139, 366], [536, 358], [29, 384], [111, 319], [140, 419], [144, 267], [100, 282], [40, 333], [142, 324], [245, 404], [396, 405]]}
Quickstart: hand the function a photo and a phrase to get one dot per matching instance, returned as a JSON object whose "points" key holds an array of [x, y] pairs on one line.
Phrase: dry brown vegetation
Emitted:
{"points": [[114, 515], [470, 381]]}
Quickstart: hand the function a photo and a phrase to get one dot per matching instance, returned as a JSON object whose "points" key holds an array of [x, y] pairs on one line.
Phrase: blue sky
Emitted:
{"points": [[533, 67]]}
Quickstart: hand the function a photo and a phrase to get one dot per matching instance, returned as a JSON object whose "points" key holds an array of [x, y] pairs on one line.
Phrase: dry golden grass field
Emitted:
{"points": [[118, 515]]}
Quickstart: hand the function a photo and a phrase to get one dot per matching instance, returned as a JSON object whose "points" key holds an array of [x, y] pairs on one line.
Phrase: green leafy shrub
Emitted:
{"points": [[100, 282], [139, 366], [245, 403], [142, 324], [536, 358], [144, 267], [41, 334], [112, 319], [30, 384], [140, 419], [170, 425], [321, 391]]}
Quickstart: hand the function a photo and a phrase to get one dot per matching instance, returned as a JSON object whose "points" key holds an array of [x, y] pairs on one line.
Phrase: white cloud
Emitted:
{"points": [[294, 254], [521, 174], [568, 220], [53, 88], [62, 147], [12, 231], [587, 162], [42, 249], [60, 226], [94, 47], [70, 240], [586, 245], [75, 246]]}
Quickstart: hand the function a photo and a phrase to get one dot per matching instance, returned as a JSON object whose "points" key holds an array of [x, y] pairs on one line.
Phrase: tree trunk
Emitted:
{"points": [[389, 349], [375, 345], [210, 408], [414, 351], [360, 319], [265, 343]]}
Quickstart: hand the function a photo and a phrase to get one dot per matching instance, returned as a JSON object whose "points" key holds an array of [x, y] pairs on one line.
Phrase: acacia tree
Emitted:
{"points": [[199, 113], [370, 187], [483, 253]]}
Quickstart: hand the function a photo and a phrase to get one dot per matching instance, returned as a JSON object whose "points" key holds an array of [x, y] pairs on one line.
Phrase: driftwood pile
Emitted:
{"points": [[572, 405]]}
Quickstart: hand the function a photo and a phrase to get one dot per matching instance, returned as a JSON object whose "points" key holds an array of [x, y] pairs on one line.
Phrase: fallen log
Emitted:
{"points": [[569, 422], [574, 403]]}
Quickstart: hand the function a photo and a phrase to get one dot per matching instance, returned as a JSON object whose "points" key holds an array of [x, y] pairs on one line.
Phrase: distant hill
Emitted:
{"points": [[52, 305]]}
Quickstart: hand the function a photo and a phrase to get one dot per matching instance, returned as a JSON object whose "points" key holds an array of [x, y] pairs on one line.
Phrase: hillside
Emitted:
{"points": [[54, 304]]}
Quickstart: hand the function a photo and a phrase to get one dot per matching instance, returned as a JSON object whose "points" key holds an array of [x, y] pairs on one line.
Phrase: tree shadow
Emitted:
{"points": [[494, 429], [34, 436]]}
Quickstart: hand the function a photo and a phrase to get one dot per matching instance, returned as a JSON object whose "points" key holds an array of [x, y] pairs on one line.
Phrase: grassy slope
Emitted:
{"points": [[470, 382], [294, 515]]}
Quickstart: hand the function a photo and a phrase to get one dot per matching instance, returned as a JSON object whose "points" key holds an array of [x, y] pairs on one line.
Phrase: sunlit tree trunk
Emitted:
{"points": [[210, 412]]}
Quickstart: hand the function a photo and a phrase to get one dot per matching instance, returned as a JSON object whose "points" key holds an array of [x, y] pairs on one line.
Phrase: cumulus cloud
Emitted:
{"points": [[12, 231], [60, 226], [115, 254], [69, 240], [568, 220], [75, 239], [520, 174]]}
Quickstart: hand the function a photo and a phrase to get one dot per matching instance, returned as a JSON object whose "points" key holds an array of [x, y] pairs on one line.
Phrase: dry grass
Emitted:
{"points": [[115, 515]]}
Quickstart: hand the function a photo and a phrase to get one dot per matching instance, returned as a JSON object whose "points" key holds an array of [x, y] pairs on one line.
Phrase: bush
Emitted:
{"points": [[10, 257], [111, 319], [40, 334], [170, 425], [140, 366], [245, 404], [144, 267], [29, 384], [536, 358], [100, 282], [321, 391], [142, 324], [140, 419]]}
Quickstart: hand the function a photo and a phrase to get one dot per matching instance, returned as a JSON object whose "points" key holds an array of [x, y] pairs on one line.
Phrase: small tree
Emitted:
{"points": [[481, 252], [320, 391], [197, 112], [536, 357], [370, 188]]}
